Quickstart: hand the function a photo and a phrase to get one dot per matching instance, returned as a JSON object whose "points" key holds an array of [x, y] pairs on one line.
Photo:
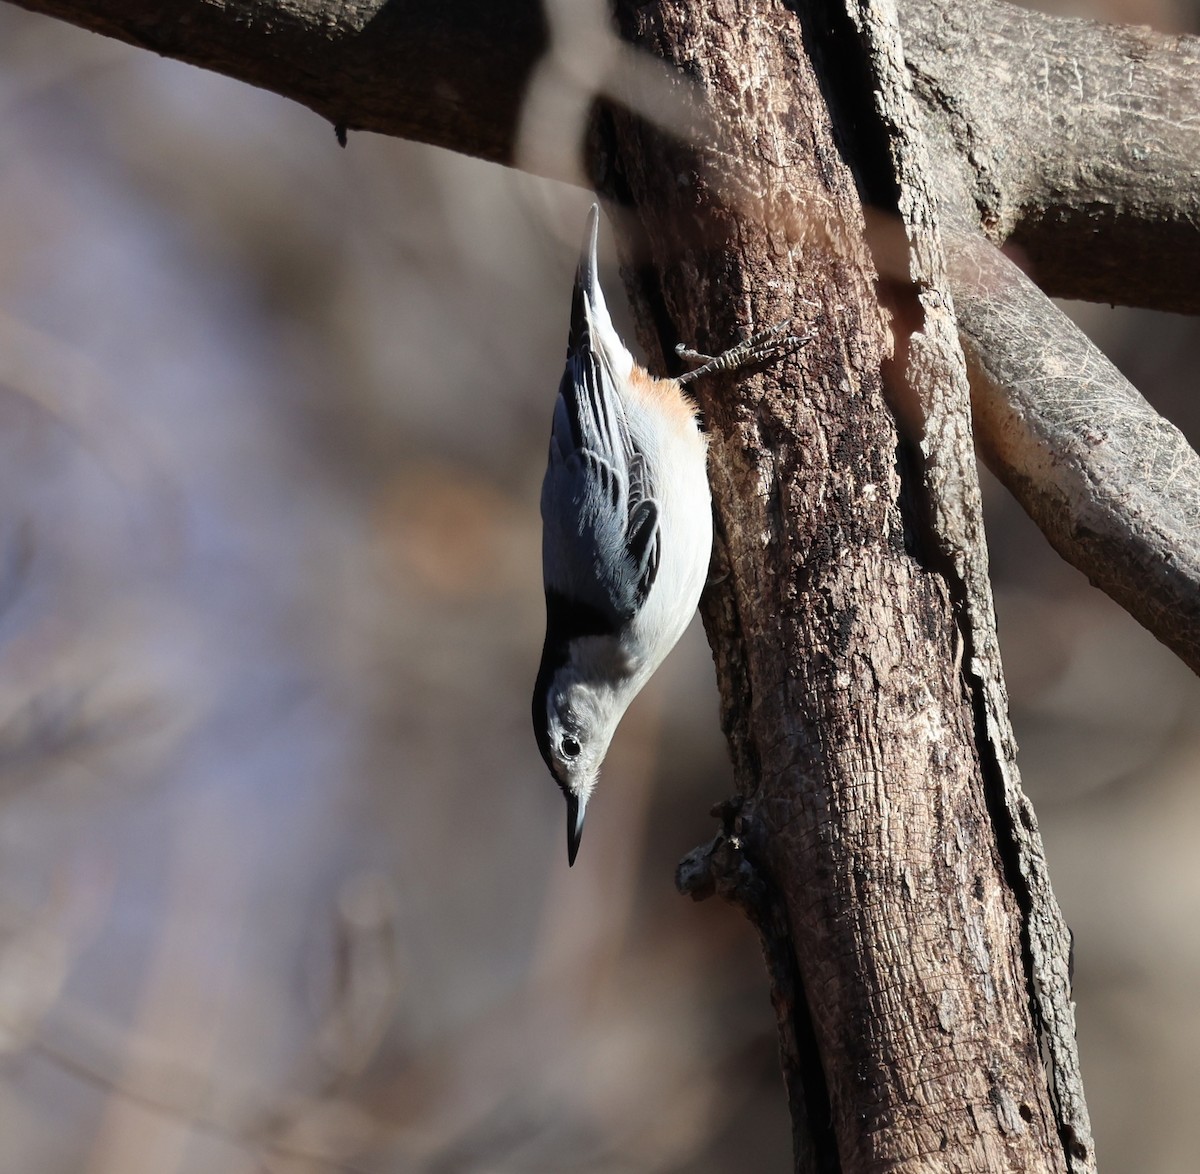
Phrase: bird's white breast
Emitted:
{"points": [[663, 424]]}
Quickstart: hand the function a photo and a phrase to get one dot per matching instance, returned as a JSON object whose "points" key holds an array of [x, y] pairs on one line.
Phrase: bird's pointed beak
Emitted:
{"points": [[575, 809]]}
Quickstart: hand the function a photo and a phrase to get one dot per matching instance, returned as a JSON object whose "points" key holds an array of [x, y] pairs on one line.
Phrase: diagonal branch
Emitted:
{"points": [[1079, 142], [1112, 485]]}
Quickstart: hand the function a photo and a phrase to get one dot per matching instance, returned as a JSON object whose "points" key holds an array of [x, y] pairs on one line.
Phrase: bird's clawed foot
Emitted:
{"points": [[765, 346]]}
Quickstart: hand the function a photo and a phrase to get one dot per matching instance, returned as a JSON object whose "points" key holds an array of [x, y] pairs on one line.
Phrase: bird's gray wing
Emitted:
{"points": [[600, 537]]}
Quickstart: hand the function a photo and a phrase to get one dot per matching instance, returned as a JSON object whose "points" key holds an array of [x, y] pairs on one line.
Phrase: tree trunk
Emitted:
{"points": [[864, 828]]}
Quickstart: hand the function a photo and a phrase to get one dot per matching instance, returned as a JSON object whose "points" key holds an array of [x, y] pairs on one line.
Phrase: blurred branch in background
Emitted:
{"points": [[266, 776]]}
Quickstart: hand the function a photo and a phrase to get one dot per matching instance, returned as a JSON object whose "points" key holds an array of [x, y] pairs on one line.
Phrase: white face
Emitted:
{"points": [[580, 722]]}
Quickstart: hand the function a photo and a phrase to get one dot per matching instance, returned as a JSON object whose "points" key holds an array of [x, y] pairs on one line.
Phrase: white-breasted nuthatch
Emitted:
{"points": [[626, 538]]}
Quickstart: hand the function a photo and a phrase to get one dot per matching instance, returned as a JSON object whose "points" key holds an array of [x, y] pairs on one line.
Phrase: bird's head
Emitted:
{"points": [[574, 720]]}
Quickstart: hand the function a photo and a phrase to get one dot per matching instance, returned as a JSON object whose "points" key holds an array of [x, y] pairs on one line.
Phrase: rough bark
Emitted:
{"points": [[863, 823], [936, 374], [1079, 144], [1114, 486]]}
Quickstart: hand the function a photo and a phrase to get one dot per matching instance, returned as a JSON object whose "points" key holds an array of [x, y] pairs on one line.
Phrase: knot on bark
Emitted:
{"points": [[723, 868]]}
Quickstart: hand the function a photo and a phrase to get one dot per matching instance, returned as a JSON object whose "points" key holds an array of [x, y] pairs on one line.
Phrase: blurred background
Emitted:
{"points": [[282, 876]]}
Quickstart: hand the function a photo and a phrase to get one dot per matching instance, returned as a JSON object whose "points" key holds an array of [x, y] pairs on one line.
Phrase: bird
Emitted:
{"points": [[626, 533]]}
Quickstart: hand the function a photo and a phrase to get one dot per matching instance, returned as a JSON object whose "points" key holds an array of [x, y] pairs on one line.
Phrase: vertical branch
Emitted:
{"points": [[936, 373]]}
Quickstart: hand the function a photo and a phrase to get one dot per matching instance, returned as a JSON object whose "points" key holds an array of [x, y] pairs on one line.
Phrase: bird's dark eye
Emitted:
{"points": [[570, 747]]}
